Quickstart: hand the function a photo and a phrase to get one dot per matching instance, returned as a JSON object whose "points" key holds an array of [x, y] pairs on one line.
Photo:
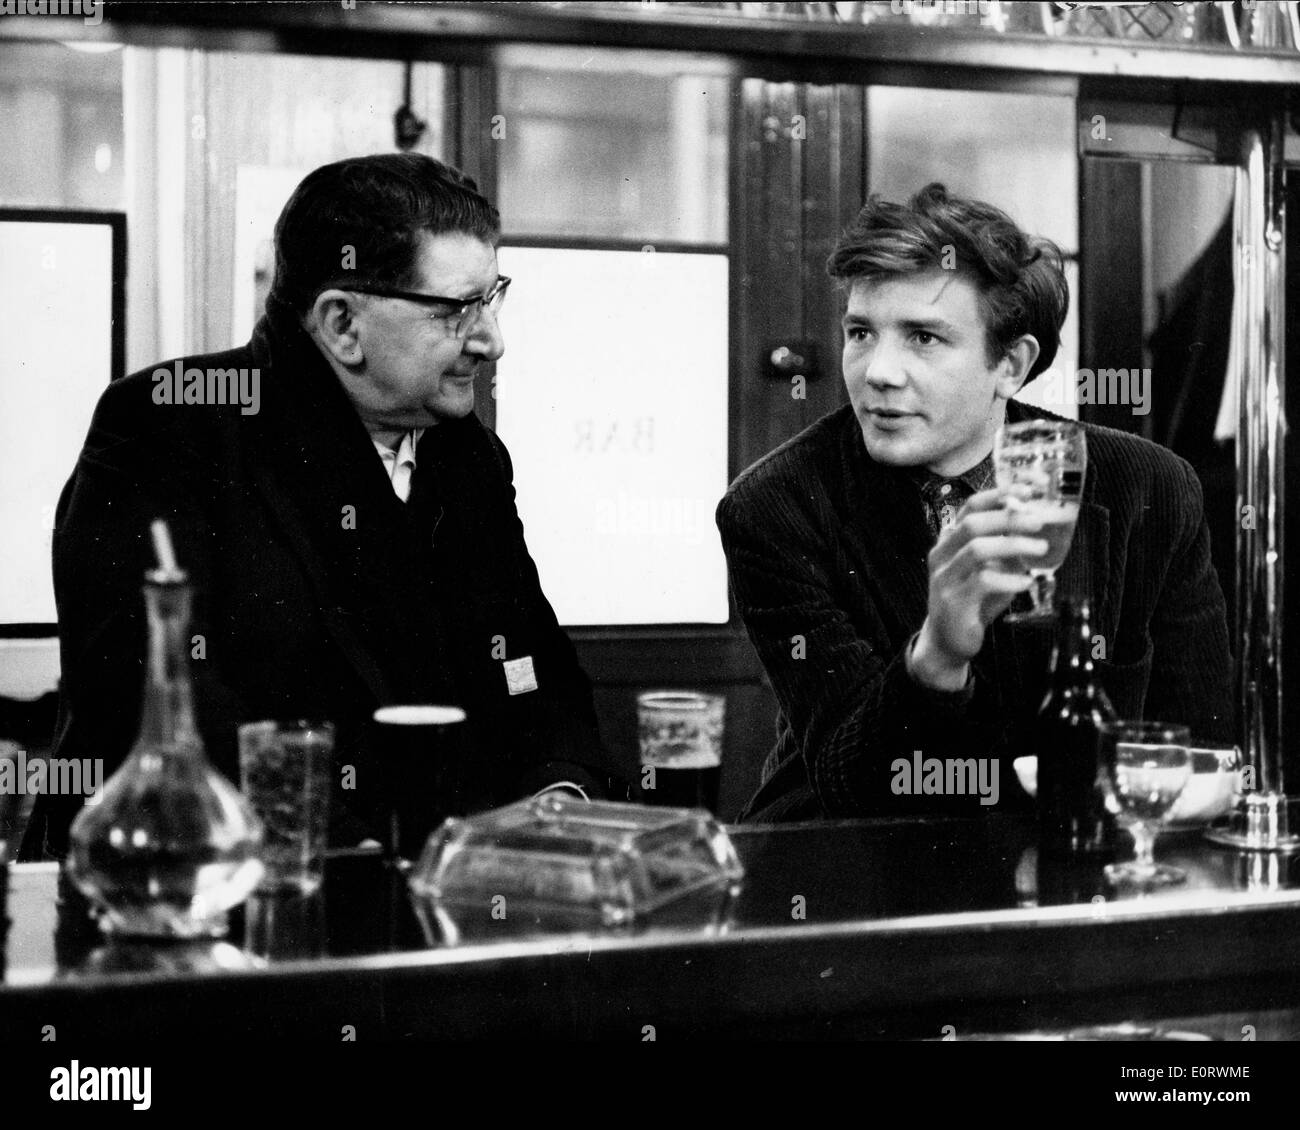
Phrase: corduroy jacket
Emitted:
{"points": [[826, 550]]}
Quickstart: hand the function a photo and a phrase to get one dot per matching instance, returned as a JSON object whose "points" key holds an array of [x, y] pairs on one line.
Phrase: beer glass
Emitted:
{"points": [[422, 752], [1040, 466], [681, 747]]}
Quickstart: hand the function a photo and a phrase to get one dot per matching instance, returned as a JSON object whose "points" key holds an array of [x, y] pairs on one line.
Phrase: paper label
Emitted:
{"points": [[520, 676]]}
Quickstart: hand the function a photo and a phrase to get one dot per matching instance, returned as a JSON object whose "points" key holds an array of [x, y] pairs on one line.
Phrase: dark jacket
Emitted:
{"points": [[827, 556], [319, 593]]}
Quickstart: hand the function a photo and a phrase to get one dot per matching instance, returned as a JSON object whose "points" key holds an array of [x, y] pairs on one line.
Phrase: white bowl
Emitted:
{"points": [[1027, 771]]}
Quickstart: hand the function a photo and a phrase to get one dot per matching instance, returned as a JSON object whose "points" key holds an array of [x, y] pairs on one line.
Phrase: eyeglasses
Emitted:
{"points": [[461, 315]]}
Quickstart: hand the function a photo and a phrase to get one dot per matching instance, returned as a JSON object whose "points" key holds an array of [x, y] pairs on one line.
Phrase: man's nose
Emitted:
{"points": [[884, 367], [484, 338]]}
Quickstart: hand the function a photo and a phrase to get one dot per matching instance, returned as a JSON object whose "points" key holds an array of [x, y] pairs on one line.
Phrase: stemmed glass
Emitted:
{"points": [[1147, 764], [1040, 465]]}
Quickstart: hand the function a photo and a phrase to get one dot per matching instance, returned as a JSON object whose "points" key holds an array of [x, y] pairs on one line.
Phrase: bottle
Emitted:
{"points": [[1073, 818], [170, 845]]}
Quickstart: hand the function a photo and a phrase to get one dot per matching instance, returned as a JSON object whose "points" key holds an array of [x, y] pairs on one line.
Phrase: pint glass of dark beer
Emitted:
{"points": [[421, 748], [681, 747]]}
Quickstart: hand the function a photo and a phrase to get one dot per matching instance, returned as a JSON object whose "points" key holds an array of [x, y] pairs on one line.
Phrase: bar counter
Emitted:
{"points": [[897, 929]]}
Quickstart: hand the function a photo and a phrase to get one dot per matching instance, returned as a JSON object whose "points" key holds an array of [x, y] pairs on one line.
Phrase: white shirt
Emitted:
{"points": [[400, 463]]}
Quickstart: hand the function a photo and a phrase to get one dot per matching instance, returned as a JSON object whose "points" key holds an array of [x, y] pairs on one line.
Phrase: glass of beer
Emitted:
{"points": [[423, 761], [1040, 467], [681, 747]]}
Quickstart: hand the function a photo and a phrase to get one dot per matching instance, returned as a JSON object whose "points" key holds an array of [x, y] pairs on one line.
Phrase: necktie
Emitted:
{"points": [[943, 499]]}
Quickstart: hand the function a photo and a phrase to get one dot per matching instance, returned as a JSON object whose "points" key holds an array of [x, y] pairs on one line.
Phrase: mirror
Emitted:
{"points": [[1156, 295]]}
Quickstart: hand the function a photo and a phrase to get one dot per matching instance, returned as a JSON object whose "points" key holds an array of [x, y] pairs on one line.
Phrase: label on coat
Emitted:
{"points": [[520, 676]]}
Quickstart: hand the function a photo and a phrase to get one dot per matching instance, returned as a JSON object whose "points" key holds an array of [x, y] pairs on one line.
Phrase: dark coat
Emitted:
{"points": [[305, 611], [827, 556]]}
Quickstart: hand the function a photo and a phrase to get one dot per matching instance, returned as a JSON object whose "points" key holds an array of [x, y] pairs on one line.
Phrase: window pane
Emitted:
{"points": [[60, 127], [612, 397], [613, 154], [55, 349], [308, 112], [1018, 151]]}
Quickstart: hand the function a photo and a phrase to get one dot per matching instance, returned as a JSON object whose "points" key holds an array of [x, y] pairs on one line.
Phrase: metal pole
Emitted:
{"points": [[1262, 820]]}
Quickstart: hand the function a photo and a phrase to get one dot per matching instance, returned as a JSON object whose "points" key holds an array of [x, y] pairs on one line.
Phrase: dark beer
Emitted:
{"points": [[678, 786], [681, 748], [423, 757]]}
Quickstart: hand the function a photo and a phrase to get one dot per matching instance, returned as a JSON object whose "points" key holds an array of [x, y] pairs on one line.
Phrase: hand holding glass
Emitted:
{"points": [[1040, 466]]}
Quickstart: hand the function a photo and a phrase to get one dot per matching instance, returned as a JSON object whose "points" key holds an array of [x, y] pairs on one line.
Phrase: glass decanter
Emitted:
{"points": [[170, 845]]}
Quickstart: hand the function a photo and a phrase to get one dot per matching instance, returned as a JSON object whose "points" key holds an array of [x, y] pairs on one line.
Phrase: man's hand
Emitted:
{"points": [[976, 570]]}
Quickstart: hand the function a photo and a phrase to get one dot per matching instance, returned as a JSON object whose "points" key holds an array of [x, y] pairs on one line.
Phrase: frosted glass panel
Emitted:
{"points": [[591, 147], [612, 397], [56, 286], [1018, 151]]}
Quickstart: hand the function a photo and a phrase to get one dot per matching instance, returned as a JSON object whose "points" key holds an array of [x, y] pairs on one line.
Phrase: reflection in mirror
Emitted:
{"points": [[1156, 297]]}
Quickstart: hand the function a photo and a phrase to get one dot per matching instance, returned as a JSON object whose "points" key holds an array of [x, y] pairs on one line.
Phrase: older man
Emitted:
{"points": [[350, 525], [872, 561]]}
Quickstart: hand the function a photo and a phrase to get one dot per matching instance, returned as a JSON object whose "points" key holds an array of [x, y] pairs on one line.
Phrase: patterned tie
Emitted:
{"points": [[943, 499]]}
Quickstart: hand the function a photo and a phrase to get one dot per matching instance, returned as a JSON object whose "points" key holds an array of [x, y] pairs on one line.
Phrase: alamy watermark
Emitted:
{"points": [[52, 776], [209, 386], [102, 1084], [635, 516], [1131, 387], [950, 776], [91, 11]]}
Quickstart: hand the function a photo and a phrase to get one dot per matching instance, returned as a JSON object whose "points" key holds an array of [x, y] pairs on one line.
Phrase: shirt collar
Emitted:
{"points": [[404, 452], [978, 478]]}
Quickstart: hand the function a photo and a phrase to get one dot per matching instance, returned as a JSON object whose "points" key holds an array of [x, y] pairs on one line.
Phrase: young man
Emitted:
{"points": [[869, 556], [352, 538]]}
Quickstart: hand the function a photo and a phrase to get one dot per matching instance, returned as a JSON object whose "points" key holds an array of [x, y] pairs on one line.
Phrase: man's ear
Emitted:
{"points": [[1013, 369], [332, 321]]}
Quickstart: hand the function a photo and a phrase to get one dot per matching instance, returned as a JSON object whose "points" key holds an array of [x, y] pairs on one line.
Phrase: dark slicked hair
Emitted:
{"points": [[379, 207], [1020, 278]]}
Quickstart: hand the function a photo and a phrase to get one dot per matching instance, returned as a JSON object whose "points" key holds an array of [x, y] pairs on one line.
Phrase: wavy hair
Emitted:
{"points": [[1020, 278], [362, 220]]}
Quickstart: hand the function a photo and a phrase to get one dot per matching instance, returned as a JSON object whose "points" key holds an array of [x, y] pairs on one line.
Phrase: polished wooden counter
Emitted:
{"points": [[895, 929]]}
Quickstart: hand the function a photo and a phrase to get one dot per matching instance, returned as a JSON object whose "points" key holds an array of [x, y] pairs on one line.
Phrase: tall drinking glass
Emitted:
{"points": [[1148, 764], [286, 769], [1040, 467], [424, 760]]}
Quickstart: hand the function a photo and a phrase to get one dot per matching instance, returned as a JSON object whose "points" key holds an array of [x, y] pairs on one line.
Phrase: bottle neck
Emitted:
{"points": [[1072, 664], [167, 719]]}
